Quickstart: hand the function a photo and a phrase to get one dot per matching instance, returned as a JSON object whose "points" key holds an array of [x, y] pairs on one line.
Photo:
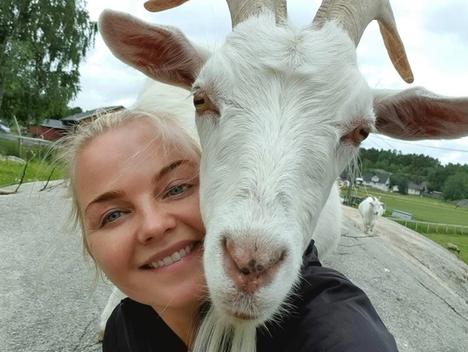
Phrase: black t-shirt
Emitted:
{"points": [[330, 315]]}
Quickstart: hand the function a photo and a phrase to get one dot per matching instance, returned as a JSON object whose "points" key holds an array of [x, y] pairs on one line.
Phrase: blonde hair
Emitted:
{"points": [[166, 128]]}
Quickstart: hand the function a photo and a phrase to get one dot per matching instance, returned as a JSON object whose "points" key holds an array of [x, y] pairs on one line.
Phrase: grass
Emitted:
{"points": [[10, 172], [8, 147], [421, 208], [41, 164], [460, 241]]}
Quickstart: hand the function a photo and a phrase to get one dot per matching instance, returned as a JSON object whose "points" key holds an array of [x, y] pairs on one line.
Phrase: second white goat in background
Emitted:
{"points": [[370, 209]]}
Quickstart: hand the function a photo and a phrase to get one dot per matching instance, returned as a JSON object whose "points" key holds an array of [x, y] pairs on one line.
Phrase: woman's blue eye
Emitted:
{"points": [[112, 216], [176, 190]]}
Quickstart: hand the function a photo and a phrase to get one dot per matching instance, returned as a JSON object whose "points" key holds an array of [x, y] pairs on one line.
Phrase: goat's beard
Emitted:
{"points": [[231, 325], [219, 332]]}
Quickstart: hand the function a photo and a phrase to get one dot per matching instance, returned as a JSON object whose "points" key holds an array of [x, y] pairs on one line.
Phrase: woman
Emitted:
{"points": [[134, 181]]}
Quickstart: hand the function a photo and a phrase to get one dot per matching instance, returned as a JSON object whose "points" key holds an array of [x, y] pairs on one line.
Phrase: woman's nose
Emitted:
{"points": [[156, 221]]}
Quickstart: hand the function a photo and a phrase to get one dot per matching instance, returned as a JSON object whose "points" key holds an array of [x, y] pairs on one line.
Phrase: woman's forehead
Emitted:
{"points": [[124, 153]]}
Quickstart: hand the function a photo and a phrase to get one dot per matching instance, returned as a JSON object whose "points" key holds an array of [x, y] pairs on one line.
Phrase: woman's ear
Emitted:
{"points": [[417, 113], [162, 53]]}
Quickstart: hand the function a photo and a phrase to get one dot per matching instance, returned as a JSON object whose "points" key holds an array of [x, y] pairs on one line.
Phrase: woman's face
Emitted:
{"points": [[139, 204]]}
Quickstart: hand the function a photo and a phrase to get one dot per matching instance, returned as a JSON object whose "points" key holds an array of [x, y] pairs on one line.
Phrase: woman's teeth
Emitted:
{"points": [[174, 257]]}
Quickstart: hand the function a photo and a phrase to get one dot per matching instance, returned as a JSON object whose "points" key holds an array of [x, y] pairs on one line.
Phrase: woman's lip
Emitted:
{"points": [[168, 251], [195, 251]]}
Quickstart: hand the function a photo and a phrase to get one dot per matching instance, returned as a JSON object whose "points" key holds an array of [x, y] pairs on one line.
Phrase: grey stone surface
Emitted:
{"points": [[51, 301]]}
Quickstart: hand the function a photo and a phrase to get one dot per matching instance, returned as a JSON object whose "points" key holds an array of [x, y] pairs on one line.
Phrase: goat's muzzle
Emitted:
{"points": [[251, 266]]}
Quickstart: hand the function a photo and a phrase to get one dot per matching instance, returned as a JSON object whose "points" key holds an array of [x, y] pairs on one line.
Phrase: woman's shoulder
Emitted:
{"points": [[133, 326], [327, 312], [128, 308], [318, 281]]}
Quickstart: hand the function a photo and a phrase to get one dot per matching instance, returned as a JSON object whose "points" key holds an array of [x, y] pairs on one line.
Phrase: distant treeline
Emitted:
{"points": [[451, 180]]}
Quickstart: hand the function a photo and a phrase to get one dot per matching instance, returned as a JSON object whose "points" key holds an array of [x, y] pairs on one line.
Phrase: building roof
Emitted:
{"points": [[52, 123], [77, 118], [382, 175]]}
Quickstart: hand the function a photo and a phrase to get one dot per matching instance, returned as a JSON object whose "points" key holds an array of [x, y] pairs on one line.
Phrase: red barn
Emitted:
{"points": [[49, 129], [53, 130]]}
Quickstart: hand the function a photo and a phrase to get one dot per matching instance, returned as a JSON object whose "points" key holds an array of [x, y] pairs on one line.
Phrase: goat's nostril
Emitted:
{"points": [[282, 256], [251, 264], [244, 271]]}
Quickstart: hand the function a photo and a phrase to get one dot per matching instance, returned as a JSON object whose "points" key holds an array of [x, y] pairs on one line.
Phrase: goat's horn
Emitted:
{"points": [[161, 5], [240, 10], [355, 15]]}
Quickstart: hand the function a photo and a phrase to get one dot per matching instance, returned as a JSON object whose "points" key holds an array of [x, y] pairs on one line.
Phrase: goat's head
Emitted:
{"points": [[280, 112], [377, 206]]}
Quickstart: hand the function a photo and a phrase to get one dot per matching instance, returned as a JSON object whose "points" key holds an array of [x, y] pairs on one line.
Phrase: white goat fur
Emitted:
{"points": [[270, 162], [370, 209], [287, 102]]}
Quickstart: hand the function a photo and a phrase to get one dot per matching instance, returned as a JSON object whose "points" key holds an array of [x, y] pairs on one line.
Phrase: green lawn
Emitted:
{"points": [[10, 172], [460, 240], [422, 209]]}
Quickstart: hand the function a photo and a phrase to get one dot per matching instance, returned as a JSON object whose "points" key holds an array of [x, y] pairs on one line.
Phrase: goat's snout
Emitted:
{"points": [[251, 265]]}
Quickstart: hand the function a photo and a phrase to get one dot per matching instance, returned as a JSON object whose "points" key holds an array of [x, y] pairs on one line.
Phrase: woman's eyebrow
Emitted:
{"points": [[105, 197], [171, 167]]}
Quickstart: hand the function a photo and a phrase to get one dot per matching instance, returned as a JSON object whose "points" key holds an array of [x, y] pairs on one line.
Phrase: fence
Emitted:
{"points": [[431, 227], [24, 140], [24, 147]]}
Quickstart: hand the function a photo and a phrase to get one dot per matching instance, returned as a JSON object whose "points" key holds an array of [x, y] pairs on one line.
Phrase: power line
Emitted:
{"points": [[421, 145]]}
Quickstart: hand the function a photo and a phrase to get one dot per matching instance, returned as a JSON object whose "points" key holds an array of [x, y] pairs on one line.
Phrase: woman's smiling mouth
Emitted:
{"points": [[170, 259]]}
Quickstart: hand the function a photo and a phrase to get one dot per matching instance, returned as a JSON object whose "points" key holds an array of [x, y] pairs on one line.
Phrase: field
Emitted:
{"points": [[428, 210], [10, 172], [422, 208], [40, 166], [461, 241]]}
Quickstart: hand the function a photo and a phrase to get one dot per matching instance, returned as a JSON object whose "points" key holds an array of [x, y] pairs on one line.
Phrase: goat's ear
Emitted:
{"points": [[416, 113], [162, 53]]}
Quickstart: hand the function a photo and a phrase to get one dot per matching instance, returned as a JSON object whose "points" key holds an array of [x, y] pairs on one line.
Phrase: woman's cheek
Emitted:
{"points": [[106, 247]]}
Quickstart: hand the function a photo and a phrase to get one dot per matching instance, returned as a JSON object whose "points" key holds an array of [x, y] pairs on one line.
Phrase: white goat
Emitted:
{"points": [[370, 209], [280, 112]]}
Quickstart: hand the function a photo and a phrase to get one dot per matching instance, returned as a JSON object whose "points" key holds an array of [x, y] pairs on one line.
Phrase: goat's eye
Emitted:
{"points": [[356, 136], [199, 102], [362, 133], [202, 104]]}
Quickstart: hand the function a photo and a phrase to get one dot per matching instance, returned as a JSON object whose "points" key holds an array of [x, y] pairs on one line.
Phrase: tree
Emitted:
{"points": [[401, 181], [42, 43], [456, 186]]}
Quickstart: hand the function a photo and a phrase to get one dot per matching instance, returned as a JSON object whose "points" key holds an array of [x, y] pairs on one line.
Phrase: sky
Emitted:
{"points": [[435, 34]]}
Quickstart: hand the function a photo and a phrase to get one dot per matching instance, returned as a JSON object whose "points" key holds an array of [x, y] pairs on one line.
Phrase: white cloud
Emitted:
{"points": [[434, 33]]}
